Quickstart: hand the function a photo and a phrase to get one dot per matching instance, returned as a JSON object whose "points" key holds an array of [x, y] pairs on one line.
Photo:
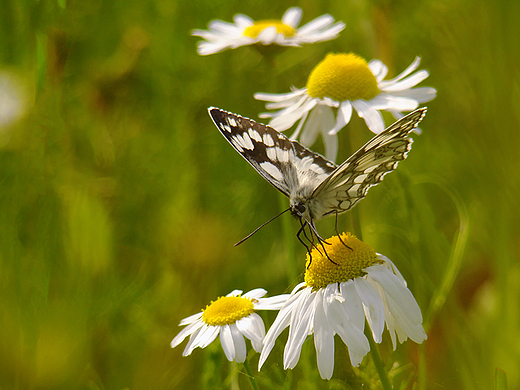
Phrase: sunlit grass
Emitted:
{"points": [[120, 202]]}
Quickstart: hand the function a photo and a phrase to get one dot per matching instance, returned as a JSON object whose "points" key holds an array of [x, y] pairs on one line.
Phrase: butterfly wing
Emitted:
{"points": [[279, 160], [349, 183]]}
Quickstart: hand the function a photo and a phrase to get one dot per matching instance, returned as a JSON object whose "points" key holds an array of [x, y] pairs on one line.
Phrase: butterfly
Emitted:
{"points": [[315, 186]]}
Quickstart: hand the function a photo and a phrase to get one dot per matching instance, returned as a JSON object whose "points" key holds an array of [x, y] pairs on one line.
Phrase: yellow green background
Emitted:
{"points": [[120, 201]]}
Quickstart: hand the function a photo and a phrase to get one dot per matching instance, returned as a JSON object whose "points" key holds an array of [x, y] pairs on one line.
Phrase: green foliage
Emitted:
{"points": [[120, 201]]}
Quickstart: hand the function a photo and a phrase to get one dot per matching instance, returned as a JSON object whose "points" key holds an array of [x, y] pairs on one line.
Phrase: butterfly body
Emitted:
{"points": [[315, 186]]}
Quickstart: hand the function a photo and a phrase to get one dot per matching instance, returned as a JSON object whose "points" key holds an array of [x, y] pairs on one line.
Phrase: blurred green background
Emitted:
{"points": [[120, 201]]}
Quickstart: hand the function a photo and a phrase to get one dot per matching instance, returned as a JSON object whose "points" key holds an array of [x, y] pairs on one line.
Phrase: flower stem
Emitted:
{"points": [[378, 362], [249, 372]]}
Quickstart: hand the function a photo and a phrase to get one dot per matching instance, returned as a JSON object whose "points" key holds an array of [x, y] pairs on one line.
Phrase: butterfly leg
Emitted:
{"points": [[337, 232], [313, 233], [321, 241], [302, 229]]}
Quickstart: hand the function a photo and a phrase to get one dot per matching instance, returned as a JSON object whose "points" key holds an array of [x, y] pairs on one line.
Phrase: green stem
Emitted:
{"points": [[356, 223], [249, 372], [378, 362]]}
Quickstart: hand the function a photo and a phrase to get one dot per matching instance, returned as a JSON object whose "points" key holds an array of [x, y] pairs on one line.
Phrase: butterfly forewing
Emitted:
{"points": [[349, 183], [282, 162]]}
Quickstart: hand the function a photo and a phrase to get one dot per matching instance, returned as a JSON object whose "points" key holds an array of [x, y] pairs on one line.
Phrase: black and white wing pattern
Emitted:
{"points": [[278, 159], [315, 186], [349, 183]]}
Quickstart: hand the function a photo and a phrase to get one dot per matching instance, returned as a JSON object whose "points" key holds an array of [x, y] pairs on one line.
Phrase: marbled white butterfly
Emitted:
{"points": [[315, 186]]}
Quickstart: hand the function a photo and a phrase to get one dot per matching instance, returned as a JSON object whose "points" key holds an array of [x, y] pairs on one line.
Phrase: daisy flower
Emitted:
{"points": [[232, 317], [343, 82], [245, 31], [336, 298]]}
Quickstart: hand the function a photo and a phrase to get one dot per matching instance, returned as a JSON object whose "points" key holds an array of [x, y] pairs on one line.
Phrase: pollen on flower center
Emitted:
{"points": [[281, 28], [227, 310], [342, 77], [349, 262]]}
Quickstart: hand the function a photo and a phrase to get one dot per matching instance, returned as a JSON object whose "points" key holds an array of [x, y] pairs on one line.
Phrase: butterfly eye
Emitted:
{"points": [[301, 208]]}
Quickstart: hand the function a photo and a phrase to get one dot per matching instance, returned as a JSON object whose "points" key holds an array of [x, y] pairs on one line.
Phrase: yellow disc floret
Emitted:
{"points": [[281, 28], [349, 258], [227, 310], [342, 77]]}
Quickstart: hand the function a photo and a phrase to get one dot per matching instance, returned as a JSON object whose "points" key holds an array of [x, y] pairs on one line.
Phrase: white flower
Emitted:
{"points": [[336, 298], [222, 35], [345, 82], [233, 317]]}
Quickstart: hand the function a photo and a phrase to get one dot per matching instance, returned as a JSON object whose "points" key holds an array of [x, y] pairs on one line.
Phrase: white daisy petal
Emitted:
{"points": [[239, 343], [352, 304], [193, 342], [323, 340], [301, 122], [227, 342], [243, 21], [422, 94], [326, 35], [384, 101], [292, 17], [407, 71], [373, 307], [277, 97], [195, 326], [290, 103], [289, 106], [284, 122], [282, 321], [400, 303], [394, 288], [344, 115], [351, 335], [311, 129], [372, 117], [391, 266], [190, 319], [379, 69], [221, 28], [330, 141], [301, 320], [272, 303], [317, 24], [407, 83], [331, 145], [253, 328], [207, 48], [201, 339], [255, 294], [267, 36]]}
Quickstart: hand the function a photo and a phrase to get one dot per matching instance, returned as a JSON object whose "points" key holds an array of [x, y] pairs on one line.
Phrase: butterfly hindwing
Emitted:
{"points": [[349, 183]]}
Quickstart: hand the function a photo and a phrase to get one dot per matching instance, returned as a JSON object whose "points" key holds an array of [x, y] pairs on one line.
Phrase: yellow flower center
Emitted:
{"points": [[349, 263], [227, 310], [342, 77], [281, 28]]}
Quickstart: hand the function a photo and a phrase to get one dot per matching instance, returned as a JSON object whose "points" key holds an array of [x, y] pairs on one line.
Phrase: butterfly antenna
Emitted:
{"points": [[260, 227]]}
